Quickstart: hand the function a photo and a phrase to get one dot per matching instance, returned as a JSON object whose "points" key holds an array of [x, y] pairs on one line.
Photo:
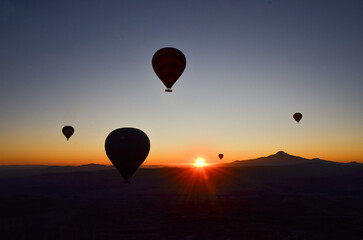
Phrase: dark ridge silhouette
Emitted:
{"points": [[354, 163], [153, 166], [23, 170], [87, 167]]}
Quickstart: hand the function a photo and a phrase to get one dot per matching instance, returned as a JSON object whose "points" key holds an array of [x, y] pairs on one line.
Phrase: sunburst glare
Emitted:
{"points": [[200, 162]]}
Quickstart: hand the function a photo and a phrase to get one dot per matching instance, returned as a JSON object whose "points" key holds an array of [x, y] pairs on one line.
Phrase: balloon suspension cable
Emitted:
{"points": [[168, 90]]}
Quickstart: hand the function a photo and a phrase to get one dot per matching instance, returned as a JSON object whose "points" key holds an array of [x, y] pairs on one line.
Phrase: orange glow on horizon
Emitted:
{"points": [[59, 151]]}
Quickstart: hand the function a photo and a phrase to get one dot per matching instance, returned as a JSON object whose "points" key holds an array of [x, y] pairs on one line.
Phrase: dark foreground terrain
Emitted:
{"points": [[309, 201]]}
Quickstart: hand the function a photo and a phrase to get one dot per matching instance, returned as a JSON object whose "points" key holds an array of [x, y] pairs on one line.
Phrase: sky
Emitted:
{"points": [[250, 66]]}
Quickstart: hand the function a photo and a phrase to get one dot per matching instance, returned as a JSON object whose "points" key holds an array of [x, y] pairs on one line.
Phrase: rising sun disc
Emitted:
{"points": [[200, 162]]}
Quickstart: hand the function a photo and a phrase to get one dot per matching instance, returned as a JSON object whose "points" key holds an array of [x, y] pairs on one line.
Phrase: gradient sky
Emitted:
{"points": [[250, 65]]}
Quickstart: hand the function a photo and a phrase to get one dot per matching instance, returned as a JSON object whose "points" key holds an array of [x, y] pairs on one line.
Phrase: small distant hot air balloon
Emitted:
{"points": [[220, 156], [68, 131], [297, 116], [168, 64], [127, 149]]}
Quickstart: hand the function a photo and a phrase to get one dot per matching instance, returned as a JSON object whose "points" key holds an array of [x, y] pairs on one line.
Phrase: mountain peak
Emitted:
{"points": [[281, 153], [280, 158]]}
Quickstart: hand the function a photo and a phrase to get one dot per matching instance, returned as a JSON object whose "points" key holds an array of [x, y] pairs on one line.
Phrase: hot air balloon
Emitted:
{"points": [[297, 117], [220, 156], [127, 149], [68, 131], [168, 64]]}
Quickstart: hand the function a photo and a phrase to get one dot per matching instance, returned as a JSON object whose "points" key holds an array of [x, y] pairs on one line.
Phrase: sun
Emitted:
{"points": [[200, 162]]}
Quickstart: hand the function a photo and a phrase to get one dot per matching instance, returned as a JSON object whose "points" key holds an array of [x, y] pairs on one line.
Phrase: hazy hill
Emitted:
{"points": [[26, 170], [20, 170], [282, 159]]}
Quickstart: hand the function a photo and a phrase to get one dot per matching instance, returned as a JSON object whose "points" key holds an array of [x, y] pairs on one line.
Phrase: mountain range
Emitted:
{"points": [[282, 158]]}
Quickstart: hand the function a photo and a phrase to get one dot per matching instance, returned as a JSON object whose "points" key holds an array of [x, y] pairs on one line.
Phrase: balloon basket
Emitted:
{"points": [[168, 90]]}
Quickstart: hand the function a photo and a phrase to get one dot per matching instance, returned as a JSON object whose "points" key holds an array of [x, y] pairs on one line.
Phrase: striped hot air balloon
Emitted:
{"points": [[168, 64]]}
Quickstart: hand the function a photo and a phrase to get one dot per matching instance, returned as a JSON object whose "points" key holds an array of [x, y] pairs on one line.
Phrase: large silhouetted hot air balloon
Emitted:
{"points": [[68, 131], [127, 149], [297, 117], [169, 64], [220, 156]]}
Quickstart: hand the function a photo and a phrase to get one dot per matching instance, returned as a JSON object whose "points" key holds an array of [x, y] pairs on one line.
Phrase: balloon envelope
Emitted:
{"points": [[220, 156], [127, 149], [169, 64], [297, 117], [68, 131]]}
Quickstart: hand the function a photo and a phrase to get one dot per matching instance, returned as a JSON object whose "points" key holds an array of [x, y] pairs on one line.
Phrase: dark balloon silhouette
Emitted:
{"points": [[297, 117], [127, 149], [68, 131], [220, 156], [168, 64]]}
